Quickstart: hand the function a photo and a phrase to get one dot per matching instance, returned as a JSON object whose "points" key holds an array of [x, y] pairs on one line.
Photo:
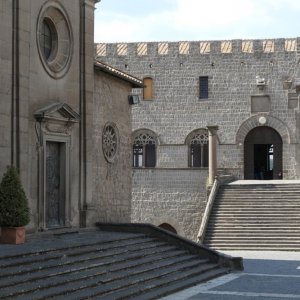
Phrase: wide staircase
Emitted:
{"points": [[106, 265], [263, 216]]}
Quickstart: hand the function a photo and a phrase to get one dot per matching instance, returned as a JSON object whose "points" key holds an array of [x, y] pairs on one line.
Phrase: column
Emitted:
{"points": [[212, 155]]}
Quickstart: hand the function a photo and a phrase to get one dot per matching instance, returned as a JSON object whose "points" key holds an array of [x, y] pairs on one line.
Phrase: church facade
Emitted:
{"points": [[247, 90], [65, 118]]}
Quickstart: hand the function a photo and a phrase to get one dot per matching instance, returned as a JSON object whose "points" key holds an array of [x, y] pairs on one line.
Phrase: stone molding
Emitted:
{"points": [[270, 121], [54, 123], [58, 63], [151, 136]]}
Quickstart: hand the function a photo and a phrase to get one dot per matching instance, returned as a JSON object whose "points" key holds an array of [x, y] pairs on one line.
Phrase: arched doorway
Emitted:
{"points": [[263, 154], [168, 227]]}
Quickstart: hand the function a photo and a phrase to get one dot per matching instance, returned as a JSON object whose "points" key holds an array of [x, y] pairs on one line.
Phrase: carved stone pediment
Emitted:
{"points": [[57, 118]]}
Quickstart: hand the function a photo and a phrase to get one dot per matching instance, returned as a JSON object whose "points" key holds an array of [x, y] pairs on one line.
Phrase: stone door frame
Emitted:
{"points": [[263, 135], [55, 123], [264, 120]]}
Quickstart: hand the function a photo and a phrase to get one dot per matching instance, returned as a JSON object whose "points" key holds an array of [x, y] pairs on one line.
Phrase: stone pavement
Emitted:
{"points": [[267, 275]]}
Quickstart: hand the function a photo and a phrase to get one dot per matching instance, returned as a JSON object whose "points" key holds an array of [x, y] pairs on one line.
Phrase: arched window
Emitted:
{"points": [[197, 142], [144, 149], [148, 88]]}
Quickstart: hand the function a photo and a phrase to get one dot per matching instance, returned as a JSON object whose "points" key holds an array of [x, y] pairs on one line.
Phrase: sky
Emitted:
{"points": [[195, 20]]}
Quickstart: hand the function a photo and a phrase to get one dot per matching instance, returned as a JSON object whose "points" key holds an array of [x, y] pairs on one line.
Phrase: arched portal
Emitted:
{"points": [[168, 227], [263, 154]]}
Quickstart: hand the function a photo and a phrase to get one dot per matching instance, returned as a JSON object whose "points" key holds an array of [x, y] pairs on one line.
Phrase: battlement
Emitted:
{"points": [[197, 47]]}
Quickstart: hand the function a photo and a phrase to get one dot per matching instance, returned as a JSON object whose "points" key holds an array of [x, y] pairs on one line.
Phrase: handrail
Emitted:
{"points": [[208, 209]]}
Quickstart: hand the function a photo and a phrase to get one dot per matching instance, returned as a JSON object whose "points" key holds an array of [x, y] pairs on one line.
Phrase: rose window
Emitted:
{"points": [[110, 141]]}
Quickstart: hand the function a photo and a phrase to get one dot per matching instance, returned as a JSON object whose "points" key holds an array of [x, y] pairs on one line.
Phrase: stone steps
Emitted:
{"points": [[118, 266], [263, 217], [259, 197]]}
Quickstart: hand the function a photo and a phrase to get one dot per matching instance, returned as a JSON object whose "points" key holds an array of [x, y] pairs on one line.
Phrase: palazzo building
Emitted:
{"points": [[247, 89]]}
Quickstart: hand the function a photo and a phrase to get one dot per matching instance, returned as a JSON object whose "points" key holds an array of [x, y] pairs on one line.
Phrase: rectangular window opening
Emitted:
{"points": [[203, 83], [137, 156]]}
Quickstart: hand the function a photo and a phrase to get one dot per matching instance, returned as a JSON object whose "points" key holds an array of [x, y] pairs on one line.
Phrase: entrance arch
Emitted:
{"points": [[168, 227], [263, 154]]}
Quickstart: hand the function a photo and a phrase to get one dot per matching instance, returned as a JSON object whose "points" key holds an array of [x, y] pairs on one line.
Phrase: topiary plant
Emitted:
{"points": [[14, 210]]}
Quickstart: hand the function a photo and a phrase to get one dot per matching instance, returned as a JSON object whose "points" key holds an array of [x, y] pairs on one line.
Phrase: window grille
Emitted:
{"points": [[204, 47], [290, 45], [198, 148], [268, 46], [163, 48], [122, 49], [184, 47], [247, 46], [144, 149], [142, 49], [101, 49]]}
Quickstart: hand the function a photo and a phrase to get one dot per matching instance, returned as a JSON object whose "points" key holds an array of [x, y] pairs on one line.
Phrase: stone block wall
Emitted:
{"points": [[172, 156], [5, 84], [233, 68], [111, 181], [236, 103], [173, 196]]}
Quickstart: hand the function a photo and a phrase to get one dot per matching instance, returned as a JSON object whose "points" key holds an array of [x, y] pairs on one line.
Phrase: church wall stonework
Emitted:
{"points": [[44, 89], [47, 115], [5, 82], [112, 180]]}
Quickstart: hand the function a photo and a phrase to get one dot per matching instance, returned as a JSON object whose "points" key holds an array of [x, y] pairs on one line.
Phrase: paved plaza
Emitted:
{"points": [[267, 275]]}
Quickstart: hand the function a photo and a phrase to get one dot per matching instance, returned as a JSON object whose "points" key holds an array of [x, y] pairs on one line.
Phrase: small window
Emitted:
{"points": [[148, 89], [144, 149], [203, 83]]}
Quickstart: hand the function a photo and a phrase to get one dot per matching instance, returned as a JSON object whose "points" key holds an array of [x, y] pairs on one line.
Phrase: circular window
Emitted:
{"points": [[110, 141], [54, 39]]}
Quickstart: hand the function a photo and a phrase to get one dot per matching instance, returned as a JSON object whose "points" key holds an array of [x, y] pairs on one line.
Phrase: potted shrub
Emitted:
{"points": [[14, 211]]}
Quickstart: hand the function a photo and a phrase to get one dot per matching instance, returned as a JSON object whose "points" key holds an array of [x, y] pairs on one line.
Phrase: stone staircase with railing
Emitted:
{"points": [[257, 216], [142, 262]]}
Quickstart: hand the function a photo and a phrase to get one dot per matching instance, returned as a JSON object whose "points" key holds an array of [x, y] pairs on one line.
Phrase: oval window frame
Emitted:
{"points": [[59, 60]]}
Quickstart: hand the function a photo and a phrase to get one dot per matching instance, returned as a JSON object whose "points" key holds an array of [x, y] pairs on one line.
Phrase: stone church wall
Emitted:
{"points": [[5, 84], [112, 179], [52, 115], [42, 90], [27, 87]]}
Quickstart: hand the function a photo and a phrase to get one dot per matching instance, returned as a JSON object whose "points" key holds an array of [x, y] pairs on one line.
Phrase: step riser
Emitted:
{"points": [[115, 269], [255, 216]]}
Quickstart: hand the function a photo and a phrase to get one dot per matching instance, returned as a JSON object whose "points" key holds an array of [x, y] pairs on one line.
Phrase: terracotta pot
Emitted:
{"points": [[13, 235]]}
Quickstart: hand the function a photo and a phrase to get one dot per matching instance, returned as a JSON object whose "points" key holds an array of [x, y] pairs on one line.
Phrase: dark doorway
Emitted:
{"points": [[263, 161], [55, 186], [168, 227], [263, 154]]}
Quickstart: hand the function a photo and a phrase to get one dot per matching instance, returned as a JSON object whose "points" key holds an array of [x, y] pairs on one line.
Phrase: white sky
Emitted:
{"points": [[188, 20]]}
